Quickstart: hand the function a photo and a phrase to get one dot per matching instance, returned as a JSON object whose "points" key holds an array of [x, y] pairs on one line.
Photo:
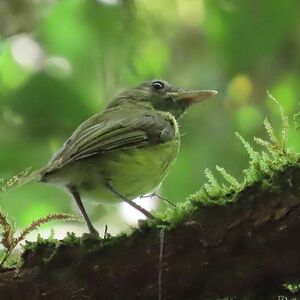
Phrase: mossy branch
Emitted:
{"points": [[8, 230], [246, 247], [233, 239], [261, 164], [44, 220]]}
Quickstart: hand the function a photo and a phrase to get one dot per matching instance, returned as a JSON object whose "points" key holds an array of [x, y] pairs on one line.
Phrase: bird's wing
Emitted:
{"points": [[100, 134]]}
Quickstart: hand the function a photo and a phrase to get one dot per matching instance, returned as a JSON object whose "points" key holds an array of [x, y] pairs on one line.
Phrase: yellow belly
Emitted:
{"points": [[132, 172]]}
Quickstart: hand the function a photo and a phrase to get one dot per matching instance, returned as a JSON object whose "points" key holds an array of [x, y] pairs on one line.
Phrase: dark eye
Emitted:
{"points": [[157, 85]]}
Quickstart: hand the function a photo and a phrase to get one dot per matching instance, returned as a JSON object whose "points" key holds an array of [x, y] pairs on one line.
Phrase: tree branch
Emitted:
{"points": [[248, 247]]}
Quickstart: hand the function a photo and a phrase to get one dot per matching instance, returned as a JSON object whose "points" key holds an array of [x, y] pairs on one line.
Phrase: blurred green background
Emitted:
{"points": [[61, 61]]}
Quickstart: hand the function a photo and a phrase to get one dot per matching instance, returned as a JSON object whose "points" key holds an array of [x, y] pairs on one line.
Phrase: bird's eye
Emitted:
{"points": [[157, 85]]}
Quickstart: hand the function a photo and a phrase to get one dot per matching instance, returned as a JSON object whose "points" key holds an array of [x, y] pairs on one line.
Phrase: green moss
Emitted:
{"points": [[293, 287], [263, 166], [71, 239], [49, 252], [40, 243]]}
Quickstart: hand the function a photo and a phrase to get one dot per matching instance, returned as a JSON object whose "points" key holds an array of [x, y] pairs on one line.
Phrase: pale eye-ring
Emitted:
{"points": [[157, 85]]}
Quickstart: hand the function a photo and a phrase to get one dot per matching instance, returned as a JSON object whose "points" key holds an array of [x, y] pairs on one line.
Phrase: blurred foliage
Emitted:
{"points": [[61, 61]]}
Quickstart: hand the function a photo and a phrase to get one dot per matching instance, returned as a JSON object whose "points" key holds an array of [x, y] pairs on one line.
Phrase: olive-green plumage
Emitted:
{"points": [[127, 149]]}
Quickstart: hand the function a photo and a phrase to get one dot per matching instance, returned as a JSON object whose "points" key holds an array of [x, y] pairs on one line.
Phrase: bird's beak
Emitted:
{"points": [[192, 97]]}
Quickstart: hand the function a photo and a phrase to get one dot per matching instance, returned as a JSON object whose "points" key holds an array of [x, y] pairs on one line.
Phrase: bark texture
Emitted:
{"points": [[246, 249]]}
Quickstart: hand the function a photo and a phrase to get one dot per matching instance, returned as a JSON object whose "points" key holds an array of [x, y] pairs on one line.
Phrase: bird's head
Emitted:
{"points": [[160, 95]]}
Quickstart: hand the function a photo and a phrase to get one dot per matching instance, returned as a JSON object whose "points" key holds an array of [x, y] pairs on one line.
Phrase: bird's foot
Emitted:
{"points": [[90, 239], [155, 194]]}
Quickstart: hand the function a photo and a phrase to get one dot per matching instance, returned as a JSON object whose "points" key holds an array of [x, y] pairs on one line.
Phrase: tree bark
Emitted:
{"points": [[245, 249]]}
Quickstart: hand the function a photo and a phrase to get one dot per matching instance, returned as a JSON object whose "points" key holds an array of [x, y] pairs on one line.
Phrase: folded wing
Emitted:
{"points": [[108, 132]]}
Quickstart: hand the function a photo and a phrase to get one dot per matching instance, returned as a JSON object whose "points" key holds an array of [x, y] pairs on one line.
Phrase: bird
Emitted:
{"points": [[126, 150]]}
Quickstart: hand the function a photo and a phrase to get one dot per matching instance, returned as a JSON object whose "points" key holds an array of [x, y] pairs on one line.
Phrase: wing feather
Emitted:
{"points": [[100, 134]]}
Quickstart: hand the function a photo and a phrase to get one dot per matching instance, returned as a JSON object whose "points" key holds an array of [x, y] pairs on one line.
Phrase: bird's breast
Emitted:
{"points": [[132, 172]]}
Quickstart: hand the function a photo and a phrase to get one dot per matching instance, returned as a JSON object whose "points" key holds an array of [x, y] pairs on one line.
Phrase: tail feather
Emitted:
{"points": [[20, 179], [33, 176]]}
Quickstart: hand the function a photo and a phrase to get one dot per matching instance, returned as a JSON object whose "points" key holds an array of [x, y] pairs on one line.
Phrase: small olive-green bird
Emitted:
{"points": [[125, 151]]}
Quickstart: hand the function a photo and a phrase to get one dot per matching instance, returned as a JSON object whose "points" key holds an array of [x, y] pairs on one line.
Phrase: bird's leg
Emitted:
{"points": [[154, 194], [130, 202], [77, 198]]}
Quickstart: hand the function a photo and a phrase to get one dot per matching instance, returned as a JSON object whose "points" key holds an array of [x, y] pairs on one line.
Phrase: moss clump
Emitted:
{"points": [[52, 252], [263, 165], [8, 239], [37, 253], [71, 239]]}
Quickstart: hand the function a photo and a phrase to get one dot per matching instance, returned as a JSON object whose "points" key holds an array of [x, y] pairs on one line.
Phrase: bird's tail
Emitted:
{"points": [[32, 176], [21, 179]]}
